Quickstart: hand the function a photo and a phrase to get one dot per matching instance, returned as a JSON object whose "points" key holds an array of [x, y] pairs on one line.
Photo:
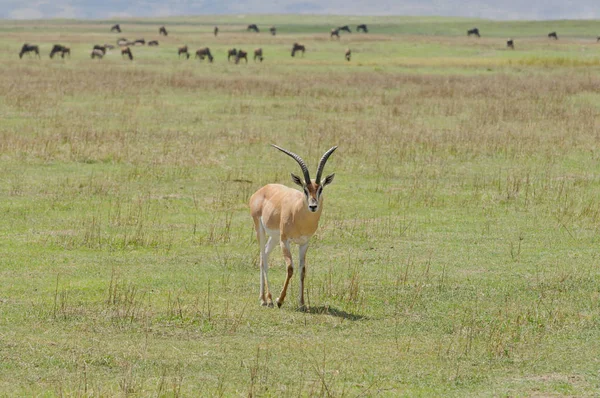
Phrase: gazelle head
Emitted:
{"points": [[313, 190]]}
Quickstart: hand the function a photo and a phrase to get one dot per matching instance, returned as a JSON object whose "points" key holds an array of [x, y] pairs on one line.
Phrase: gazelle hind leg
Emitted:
{"points": [[271, 244], [262, 239], [267, 244]]}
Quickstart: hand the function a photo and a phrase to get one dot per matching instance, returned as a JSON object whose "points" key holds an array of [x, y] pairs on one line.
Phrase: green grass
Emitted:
{"points": [[457, 251]]}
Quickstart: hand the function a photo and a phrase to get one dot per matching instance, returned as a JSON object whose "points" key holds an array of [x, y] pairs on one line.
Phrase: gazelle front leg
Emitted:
{"points": [[287, 255], [302, 270]]}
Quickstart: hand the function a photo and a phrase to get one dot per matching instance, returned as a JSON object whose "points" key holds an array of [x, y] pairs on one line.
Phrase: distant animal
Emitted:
{"points": [[216, 31], [204, 52], [109, 46], [97, 53], [153, 43], [139, 41], [258, 54], [273, 30], [348, 55], [29, 48], [101, 48], [362, 27], [510, 44], [232, 52], [598, 39], [283, 216], [473, 32], [126, 51], [345, 28], [334, 33], [122, 41], [116, 28], [298, 47], [241, 54], [58, 48], [183, 50], [553, 35], [253, 27], [163, 31]]}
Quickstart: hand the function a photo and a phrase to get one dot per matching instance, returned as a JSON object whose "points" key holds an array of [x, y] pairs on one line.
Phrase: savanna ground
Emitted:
{"points": [[458, 249]]}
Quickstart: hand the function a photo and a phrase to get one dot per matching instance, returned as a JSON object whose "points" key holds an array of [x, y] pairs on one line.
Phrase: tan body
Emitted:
{"points": [[283, 216]]}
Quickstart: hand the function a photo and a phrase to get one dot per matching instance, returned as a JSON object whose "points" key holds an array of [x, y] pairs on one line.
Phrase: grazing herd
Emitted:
{"points": [[99, 51], [510, 43]]}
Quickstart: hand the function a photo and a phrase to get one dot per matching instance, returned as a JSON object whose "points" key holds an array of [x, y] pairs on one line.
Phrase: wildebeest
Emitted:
{"points": [[345, 28], [153, 43], [100, 48], [126, 51], [553, 35], [28, 48], [97, 53], [298, 47], [216, 31], [362, 27], [162, 31], [348, 55], [241, 54], [510, 44], [139, 41], [273, 30], [334, 32], [204, 52], [109, 46], [183, 50], [253, 27], [116, 28], [258, 54], [122, 41], [232, 52], [59, 48], [473, 32]]}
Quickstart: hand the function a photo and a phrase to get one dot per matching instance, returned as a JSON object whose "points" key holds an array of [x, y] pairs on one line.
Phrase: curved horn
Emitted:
{"points": [[297, 159], [322, 163]]}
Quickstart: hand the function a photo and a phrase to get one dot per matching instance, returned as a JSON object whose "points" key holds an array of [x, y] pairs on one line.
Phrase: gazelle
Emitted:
{"points": [[285, 215]]}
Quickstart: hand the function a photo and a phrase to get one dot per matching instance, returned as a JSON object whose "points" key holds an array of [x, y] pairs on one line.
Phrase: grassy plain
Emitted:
{"points": [[458, 249]]}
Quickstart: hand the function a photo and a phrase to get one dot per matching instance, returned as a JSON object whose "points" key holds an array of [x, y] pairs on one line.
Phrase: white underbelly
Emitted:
{"points": [[269, 231], [301, 240]]}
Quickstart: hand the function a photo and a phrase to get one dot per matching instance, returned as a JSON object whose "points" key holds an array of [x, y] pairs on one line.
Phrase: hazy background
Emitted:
{"points": [[107, 9]]}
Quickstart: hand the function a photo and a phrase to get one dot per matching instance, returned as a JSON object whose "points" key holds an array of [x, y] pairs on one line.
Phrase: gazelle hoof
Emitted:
{"points": [[279, 303], [263, 303], [270, 305]]}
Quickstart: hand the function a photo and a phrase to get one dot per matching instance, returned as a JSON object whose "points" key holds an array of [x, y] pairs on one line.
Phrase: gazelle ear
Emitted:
{"points": [[297, 180], [328, 179]]}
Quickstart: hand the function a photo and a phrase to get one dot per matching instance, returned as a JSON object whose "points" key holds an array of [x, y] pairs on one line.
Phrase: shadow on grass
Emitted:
{"points": [[327, 310]]}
